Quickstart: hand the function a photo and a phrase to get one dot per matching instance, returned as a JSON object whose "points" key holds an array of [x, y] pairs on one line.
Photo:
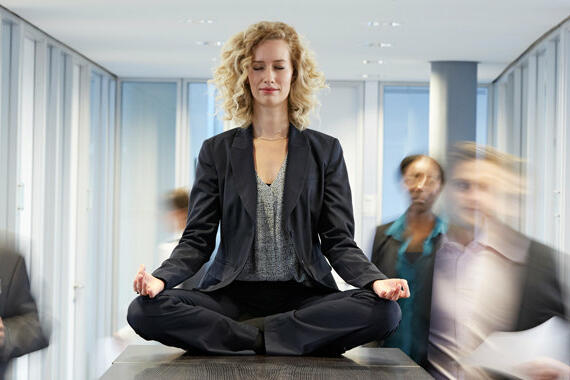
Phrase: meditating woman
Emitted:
{"points": [[280, 194]]}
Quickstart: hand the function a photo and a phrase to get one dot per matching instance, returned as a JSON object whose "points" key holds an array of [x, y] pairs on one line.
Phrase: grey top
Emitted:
{"points": [[273, 257]]}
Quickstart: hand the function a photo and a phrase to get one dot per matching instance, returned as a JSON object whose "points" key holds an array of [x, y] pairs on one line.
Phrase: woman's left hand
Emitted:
{"points": [[391, 289]]}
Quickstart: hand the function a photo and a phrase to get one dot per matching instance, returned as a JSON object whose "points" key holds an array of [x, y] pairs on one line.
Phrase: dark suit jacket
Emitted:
{"points": [[317, 212], [541, 296], [18, 310]]}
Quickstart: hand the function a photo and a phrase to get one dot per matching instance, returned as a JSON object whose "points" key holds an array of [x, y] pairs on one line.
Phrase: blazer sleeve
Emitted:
{"points": [[336, 226], [199, 238], [542, 293], [22, 329]]}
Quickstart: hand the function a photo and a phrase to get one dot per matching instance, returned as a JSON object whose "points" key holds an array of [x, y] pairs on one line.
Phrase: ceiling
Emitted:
{"points": [[154, 38]]}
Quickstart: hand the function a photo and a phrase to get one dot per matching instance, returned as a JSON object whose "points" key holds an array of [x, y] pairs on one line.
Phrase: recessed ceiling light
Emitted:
{"points": [[375, 24], [199, 21], [378, 44], [364, 76], [372, 61], [209, 43]]}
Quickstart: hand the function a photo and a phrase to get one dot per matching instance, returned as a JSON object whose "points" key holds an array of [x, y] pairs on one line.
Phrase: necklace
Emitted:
{"points": [[271, 139]]}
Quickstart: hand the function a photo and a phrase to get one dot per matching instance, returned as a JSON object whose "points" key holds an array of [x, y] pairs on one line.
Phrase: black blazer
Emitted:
{"points": [[17, 310], [317, 212]]}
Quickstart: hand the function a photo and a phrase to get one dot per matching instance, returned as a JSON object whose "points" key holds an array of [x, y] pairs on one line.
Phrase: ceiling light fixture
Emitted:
{"points": [[378, 44], [209, 43], [375, 24], [372, 61], [199, 21]]}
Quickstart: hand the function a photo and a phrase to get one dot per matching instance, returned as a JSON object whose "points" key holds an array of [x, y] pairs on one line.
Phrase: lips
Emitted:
{"points": [[269, 90]]}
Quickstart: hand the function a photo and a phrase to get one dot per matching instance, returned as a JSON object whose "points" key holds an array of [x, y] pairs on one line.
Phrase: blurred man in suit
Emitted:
{"points": [[20, 329]]}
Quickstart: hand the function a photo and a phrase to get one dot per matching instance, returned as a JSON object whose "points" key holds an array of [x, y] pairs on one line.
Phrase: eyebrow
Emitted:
{"points": [[276, 61]]}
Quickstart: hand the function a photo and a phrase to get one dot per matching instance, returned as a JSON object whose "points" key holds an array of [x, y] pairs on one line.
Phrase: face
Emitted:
{"points": [[481, 189], [270, 73], [423, 182]]}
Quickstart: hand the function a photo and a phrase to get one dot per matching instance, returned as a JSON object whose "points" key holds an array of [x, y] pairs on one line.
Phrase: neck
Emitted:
{"points": [[420, 219], [461, 235], [270, 122]]}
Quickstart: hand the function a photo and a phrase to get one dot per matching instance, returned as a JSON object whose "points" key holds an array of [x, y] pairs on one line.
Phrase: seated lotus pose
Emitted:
{"points": [[280, 194]]}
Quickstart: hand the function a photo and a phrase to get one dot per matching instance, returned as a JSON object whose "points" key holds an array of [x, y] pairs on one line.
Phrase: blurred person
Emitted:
{"points": [[176, 212], [281, 194], [487, 277], [405, 248], [20, 328], [175, 204]]}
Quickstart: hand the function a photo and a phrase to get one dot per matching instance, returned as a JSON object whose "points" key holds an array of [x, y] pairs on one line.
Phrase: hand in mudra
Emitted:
{"points": [[146, 284], [391, 289]]}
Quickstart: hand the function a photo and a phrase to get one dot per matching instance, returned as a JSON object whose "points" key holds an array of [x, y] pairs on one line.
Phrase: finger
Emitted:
{"points": [[406, 288], [404, 291], [395, 294], [139, 282]]}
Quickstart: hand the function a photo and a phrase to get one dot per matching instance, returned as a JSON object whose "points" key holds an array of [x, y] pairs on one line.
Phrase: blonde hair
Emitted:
{"points": [[230, 77]]}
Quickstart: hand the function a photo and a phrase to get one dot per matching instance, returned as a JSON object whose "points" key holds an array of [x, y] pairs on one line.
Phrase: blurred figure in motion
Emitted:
{"points": [[176, 211], [404, 248], [20, 329], [487, 276]]}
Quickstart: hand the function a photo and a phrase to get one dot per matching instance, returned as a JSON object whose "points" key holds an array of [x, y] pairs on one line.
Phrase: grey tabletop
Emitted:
{"points": [[161, 362]]}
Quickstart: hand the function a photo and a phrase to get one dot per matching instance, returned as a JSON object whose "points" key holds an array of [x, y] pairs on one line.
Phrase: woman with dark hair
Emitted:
{"points": [[280, 194], [405, 248]]}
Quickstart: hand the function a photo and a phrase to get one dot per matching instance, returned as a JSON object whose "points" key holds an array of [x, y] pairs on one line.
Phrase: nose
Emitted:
{"points": [[270, 77], [420, 183]]}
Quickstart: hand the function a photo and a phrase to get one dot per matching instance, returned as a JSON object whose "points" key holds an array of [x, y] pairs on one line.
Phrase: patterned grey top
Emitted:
{"points": [[273, 257]]}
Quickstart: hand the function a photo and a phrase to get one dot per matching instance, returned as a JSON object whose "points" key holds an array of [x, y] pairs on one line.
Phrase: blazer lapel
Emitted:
{"points": [[243, 170], [298, 152]]}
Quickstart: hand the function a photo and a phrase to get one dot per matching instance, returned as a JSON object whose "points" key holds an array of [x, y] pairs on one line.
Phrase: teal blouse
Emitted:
{"points": [[413, 271]]}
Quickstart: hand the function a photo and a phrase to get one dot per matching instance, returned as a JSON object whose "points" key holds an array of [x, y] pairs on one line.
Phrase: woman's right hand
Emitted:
{"points": [[146, 284]]}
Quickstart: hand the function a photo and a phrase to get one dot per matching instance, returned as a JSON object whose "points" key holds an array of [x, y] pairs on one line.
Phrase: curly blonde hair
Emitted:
{"points": [[230, 77]]}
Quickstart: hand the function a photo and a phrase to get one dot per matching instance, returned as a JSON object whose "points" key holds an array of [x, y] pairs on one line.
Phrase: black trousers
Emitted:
{"points": [[299, 320]]}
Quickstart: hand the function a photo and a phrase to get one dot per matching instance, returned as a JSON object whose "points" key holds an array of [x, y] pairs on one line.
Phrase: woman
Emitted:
{"points": [[281, 195], [405, 248]]}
